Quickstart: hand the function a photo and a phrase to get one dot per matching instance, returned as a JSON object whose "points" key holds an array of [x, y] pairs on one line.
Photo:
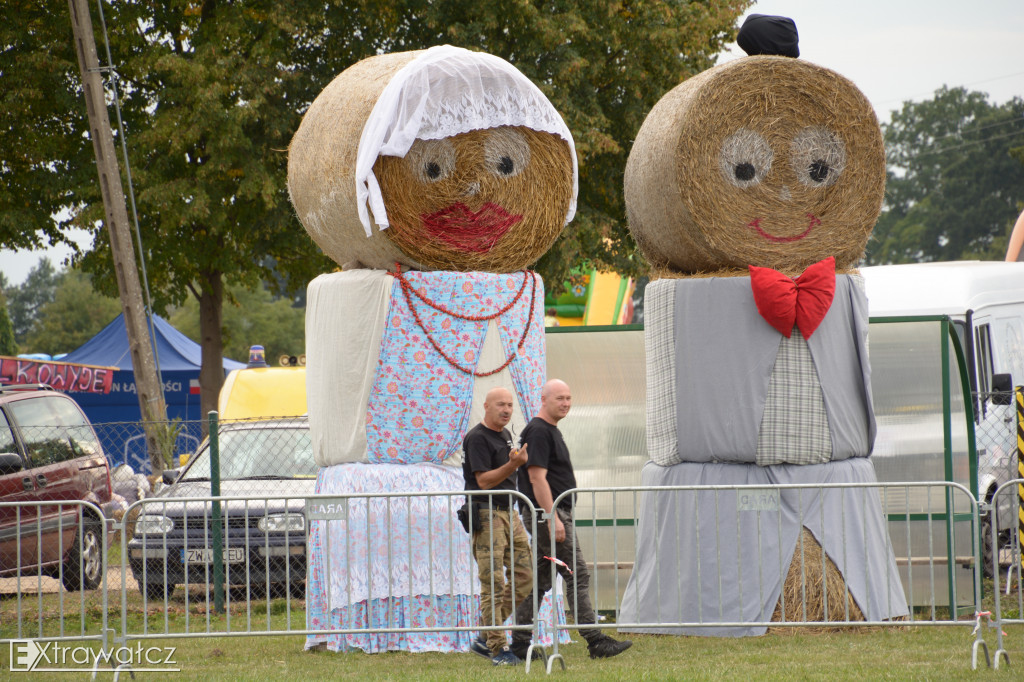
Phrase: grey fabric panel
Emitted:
{"points": [[794, 428], [659, 342], [689, 568], [699, 559], [839, 349], [725, 353]]}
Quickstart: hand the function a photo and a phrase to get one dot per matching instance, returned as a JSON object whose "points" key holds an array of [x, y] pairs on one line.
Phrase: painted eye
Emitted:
{"points": [[431, 160], [745, 158], [818, 156], [506, 152]]}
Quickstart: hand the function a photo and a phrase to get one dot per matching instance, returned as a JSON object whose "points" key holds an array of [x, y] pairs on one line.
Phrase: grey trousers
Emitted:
{"points": [[577, 582]]}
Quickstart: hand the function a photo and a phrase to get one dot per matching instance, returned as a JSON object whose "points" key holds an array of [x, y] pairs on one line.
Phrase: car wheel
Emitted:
{"points": [[990, 544], [83, 568], [156, 591]]}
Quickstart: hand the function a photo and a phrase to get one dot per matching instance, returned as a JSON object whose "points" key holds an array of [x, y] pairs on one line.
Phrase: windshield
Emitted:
{"points": [[278, 451]]}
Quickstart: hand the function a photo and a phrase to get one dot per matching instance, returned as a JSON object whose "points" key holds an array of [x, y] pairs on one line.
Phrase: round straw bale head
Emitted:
{"points": [[767, 161], [492, 200], [322, 164]]}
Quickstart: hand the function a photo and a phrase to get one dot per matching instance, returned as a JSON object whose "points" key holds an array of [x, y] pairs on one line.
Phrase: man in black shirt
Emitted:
{"points": [[549, 473], [500, 542]]}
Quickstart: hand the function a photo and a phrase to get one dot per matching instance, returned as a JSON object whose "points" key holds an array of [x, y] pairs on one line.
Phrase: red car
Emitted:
{"points": [[49, 453]]}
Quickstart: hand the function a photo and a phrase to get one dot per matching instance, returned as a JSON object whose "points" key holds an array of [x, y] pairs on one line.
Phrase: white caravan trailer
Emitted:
{"points": [[985, 301]]}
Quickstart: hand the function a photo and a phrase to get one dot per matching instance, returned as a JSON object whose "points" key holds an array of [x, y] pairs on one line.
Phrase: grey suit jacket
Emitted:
{"points": [[710, 361]]}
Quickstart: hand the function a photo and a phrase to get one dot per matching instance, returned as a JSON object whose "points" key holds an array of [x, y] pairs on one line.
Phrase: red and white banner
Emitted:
{"points": [[63, 376]]}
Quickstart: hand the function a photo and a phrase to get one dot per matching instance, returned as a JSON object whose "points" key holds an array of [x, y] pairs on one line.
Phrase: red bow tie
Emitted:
{"points": [[804, 302]]}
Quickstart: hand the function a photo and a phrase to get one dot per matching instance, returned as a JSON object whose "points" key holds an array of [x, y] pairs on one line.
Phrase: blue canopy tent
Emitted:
{"points": [[179, 359]]}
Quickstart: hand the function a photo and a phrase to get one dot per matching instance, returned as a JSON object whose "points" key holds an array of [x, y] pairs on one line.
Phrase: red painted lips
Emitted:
{"points": [[756, 226], [465, 230]]}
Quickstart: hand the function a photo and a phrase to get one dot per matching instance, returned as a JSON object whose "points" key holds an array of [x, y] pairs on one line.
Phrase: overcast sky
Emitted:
{"points": [[893, 50]]}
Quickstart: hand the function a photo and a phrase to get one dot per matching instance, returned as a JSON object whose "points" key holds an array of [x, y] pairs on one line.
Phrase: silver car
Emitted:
{"points": [[264, 539]]}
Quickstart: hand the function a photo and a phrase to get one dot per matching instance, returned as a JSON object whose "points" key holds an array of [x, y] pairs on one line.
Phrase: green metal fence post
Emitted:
{"points": [[218, 527]]}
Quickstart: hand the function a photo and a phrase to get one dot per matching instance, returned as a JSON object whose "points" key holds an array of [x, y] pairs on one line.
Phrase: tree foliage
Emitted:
{"points": [[252, 316], [955, 180], [8, 346], [26, 301], [75, 314], [211, 92], [603, 65]]}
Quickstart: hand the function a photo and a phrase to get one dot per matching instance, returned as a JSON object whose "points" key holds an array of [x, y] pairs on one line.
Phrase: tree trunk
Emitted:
{"points": [[211, 374]]}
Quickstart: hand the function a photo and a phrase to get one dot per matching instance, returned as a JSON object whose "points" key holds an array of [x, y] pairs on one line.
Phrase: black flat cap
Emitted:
{"points": [[766, 34]]}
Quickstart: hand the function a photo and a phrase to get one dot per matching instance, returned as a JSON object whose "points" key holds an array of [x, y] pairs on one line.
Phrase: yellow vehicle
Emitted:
{"points": [[263, 392]]}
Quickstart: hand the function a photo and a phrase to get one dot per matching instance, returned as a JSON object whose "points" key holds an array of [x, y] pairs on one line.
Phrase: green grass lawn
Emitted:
{"points": [[911, 654], [898, 653], [917, 653]]}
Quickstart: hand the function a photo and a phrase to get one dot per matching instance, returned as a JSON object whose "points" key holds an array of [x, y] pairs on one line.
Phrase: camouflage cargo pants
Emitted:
{"points": [[501, 545]]}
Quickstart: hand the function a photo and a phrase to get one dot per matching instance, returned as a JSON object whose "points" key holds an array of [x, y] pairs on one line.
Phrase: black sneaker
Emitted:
{"points": [[520, 652], [606, 647], [506, 657], [480, 648]]}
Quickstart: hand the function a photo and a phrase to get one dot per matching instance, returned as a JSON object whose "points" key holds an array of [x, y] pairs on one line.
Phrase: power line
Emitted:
{"points": [[1009, 121], [968, 144], [963, 85]]}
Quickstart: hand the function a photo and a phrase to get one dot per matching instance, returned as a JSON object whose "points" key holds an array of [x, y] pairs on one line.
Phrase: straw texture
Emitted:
{"points": [[322, 162], [767, 161], [517, 180], [490, 200], [811, 584]]}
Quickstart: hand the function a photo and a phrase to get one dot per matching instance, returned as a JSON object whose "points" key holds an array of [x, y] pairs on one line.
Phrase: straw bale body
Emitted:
{"points": [[766, 161]]}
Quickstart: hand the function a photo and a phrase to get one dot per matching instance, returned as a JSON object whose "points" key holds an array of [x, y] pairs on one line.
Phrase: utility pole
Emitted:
{"points": [[147, 382]]}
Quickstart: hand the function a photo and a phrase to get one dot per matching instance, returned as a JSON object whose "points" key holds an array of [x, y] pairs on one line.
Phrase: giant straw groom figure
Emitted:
{"points": [[752, 189], [434, 178]]}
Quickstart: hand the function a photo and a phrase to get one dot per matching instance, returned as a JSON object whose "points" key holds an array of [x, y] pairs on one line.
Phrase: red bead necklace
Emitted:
{"points": [[407, 287]]}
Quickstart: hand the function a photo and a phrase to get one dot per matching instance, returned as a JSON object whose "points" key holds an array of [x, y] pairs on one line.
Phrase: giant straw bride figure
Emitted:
{"points": [[435, 178]]}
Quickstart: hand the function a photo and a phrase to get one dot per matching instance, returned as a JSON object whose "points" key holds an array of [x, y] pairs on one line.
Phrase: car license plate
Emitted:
{"points": [[232, 555]]}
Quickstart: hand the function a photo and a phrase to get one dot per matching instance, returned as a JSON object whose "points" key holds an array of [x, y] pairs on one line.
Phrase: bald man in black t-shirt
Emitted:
{"points": [[500, 542], [549, 473]]}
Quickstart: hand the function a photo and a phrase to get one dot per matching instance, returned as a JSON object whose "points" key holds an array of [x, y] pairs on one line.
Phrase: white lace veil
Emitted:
{"points": [[447, 91]]}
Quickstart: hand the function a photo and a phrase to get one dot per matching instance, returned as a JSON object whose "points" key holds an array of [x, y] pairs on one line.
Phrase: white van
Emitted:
{"points": [[985, 301]]}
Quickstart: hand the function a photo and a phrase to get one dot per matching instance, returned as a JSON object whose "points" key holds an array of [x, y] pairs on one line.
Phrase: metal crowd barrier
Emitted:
{"points": [[53, 547], [938, 523], [171, 591], [172, 544], [1008, 564]]}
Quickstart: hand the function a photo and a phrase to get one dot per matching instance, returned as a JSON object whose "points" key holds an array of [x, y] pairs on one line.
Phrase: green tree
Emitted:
{"points": [[603, 65], [76, 313], [26, 300], [251, 317], [955, 179], [7, 343], [211, 93]]}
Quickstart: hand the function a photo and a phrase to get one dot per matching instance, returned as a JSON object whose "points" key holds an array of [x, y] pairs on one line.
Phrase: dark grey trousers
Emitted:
{"points": [[577, 582]]}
